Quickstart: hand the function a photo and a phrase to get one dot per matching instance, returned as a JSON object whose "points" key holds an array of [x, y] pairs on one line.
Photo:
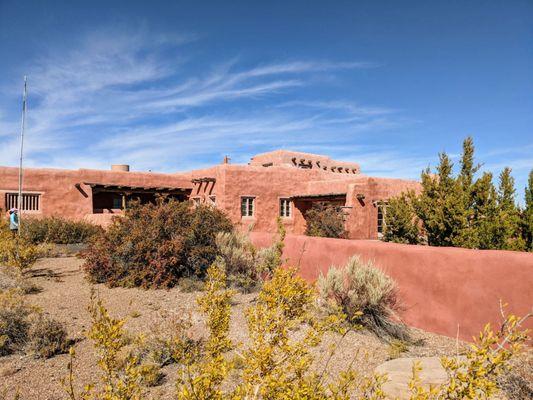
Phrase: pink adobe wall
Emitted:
{"points": [[270, 184], [61, 196], [440, 287]]}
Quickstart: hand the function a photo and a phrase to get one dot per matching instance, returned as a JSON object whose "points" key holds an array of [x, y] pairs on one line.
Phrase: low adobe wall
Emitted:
{"points": [[440, 288]]}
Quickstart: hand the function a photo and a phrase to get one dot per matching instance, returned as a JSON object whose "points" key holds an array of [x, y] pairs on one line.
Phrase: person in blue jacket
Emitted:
{"points": [[13, 221]]}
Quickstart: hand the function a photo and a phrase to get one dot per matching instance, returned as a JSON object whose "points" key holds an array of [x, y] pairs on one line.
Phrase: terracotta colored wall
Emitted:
{"points": [[440, 287], [59, 194], [269, 184], [362, 222]]}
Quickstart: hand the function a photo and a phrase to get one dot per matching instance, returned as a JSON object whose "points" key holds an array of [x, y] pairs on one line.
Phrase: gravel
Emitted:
{"points": [[65, 295]]}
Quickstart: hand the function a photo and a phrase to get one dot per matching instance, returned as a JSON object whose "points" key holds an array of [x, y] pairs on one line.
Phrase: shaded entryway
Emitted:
{"points": [[108, 198]]}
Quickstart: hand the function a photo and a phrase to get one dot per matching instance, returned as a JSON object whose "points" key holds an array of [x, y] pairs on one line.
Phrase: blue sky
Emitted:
{"points": [[174, 85]]}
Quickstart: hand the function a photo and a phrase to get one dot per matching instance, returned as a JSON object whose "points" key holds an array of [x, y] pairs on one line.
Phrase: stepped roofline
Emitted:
{"points": [[304, 160]]}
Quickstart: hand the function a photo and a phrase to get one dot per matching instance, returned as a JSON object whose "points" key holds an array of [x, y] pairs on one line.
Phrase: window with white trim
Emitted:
{"points": [[247, 206], [285, 208], [30, 201]]}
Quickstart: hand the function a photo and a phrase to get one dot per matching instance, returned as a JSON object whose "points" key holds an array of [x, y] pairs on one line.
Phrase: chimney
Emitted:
{"points": [[120, 167]]}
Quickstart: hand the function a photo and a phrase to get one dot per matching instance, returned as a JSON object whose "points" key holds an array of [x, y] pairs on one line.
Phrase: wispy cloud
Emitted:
{"points": [[138, 98]]}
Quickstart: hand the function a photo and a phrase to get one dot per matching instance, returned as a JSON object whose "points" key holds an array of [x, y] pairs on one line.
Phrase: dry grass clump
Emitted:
{"points": [[10, 278], [246, 266], [14, 321], [366, 295], [169, 340], [190, 284], [46, 337], [24, 328]]}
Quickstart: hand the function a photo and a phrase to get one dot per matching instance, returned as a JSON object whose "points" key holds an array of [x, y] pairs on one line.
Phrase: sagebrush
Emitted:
{"points": [[246, 266], [366, 295]]}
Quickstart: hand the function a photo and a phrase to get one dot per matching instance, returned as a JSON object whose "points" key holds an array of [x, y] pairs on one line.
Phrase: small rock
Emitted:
{"points": [[400, 371]]}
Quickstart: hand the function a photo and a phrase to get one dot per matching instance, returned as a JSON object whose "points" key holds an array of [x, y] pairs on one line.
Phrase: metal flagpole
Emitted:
{"points": [[23, 126]]}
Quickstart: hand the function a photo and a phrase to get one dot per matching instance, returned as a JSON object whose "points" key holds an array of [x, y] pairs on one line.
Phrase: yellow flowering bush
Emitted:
{"points": [[475, 374], [120, 377], [15, 251], [279, 363]]}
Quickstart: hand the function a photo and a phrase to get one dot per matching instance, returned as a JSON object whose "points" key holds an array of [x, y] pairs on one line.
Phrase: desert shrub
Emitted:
{"points": [[476, 375], [14, 321], [366, 295], [121, 377], [151, 374], [46, 337], [190, 284], [246, 266], [154, 245], [396, 348], [10, 278], [169, 340], [277, 365], [24, 328], [240, 259], [58, 230], [325, 220], [17, 252], [274, 366]]}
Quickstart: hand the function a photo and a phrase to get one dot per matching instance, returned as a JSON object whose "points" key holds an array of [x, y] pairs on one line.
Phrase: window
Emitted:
{"points": [[30, 201], [382, 212], [285, 208], [247, 206], [117, 202]]}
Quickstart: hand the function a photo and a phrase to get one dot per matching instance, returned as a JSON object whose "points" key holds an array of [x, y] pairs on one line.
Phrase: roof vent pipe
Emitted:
{"points": [[120, 167]]}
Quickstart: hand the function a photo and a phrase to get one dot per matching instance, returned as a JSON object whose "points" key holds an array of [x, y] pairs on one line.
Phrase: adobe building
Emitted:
{"points": [[276, 184]]}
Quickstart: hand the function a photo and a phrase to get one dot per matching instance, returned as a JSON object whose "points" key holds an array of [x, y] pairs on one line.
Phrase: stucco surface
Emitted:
{"points": [[63, 192], [442, 290], [60, 194]]}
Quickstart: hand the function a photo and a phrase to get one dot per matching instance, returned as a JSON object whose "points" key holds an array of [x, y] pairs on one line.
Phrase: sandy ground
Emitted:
{"points": [[65, 295]]}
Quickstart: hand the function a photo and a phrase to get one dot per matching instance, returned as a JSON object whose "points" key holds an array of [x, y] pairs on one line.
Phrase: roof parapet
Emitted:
{"points": [[304, 161]]}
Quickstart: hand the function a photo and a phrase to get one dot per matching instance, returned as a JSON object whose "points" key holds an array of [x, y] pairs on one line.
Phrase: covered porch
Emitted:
{"points": [[113, 198]]}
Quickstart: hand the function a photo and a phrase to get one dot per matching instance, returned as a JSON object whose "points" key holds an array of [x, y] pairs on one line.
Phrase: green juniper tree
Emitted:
{"points": [[463, 211], [508, 235], [467, 235], [402, 225], [485, 212], [441, 206], [527, 215]]}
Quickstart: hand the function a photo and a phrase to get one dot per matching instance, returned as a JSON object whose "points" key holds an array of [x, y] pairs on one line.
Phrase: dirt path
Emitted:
{"points": [[65, 296]]}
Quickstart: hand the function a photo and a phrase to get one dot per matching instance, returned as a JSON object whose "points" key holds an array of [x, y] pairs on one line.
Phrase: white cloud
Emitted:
{"points": [[136, 97]]}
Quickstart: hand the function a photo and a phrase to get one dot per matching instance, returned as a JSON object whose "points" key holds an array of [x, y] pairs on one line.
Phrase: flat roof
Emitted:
{"points": [[135, 188], [318, 196]]}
